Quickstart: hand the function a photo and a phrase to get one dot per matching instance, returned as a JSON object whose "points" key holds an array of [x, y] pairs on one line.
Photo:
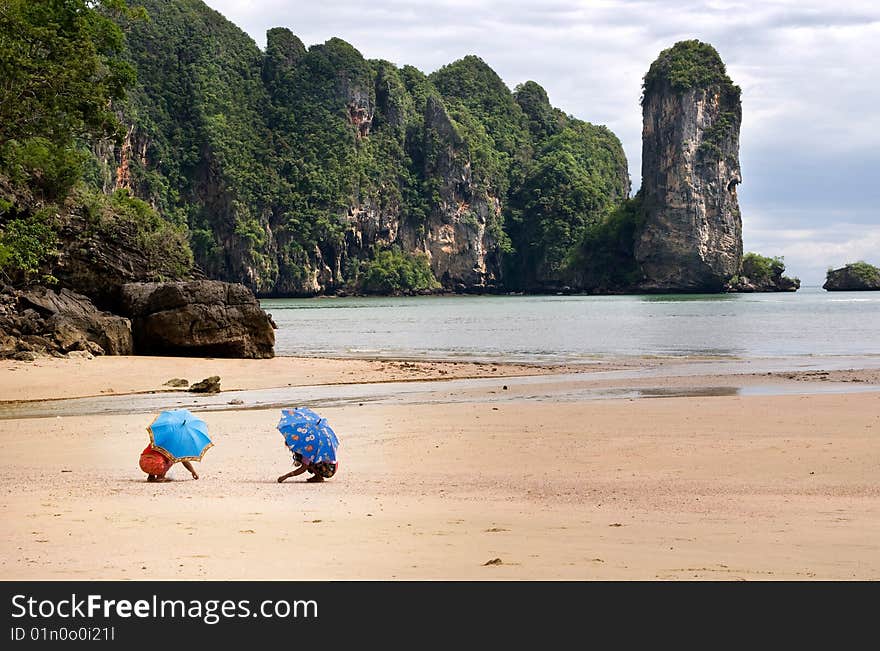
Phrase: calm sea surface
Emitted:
{"points": [[574, 329]]}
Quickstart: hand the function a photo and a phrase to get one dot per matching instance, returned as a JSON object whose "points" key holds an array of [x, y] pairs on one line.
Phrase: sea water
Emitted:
{"points": [[572, 329]]}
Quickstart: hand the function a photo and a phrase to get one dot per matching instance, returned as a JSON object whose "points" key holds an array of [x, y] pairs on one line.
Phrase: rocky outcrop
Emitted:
{"points": [[759, 273], [777, 283], [691, 236], [855, 277], [97, 264], [453, 229], [38, 320], [746, 285], [208, 385], [204, 318]]}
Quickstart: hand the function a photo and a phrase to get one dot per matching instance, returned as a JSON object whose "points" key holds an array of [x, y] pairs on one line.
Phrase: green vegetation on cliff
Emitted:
{"points": [[760, 268], [543, 120], [577, 175], [604, 259], [133, 223], [26, 241], [472, 90], [62, 67], [393, 271], [199, 140], [687, 65]]}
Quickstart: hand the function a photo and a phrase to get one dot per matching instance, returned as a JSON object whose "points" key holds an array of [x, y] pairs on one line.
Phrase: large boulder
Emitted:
{"points": [[854, 277], [204, 318], [38, 319]]}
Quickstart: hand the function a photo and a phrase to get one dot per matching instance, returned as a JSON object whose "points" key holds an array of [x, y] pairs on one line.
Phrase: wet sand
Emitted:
{"points": [[716, 487], [52, 378]]}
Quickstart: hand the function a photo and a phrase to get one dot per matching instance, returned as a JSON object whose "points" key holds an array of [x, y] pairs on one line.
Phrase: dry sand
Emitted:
{"points": [[718, 488]]}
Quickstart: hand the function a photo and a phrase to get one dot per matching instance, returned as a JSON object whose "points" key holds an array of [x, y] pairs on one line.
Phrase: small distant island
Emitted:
{"points": [[853, 277], [759, 273]]}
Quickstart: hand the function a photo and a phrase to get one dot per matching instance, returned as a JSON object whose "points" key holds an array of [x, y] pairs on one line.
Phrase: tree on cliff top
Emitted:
{"points": [[687, 65], [472, 84], [543, 120]]}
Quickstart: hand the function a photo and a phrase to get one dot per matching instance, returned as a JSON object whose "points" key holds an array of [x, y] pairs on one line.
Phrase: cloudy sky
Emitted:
{"points": [[809, 71]]}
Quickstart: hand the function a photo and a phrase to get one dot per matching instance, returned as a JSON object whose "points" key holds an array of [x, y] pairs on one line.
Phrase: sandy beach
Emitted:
{"points": [[702, 486]]}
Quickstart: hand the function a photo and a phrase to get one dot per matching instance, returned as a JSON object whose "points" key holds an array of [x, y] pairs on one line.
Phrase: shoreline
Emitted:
{"points": [[559, 291], [131, 375]]}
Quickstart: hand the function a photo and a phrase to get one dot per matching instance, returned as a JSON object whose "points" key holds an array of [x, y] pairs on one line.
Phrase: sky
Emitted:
{"points": [[809, 73]]}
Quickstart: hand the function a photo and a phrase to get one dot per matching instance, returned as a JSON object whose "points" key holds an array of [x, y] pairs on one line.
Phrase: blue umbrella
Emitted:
{"points": [[180, 435], [309, 434]]}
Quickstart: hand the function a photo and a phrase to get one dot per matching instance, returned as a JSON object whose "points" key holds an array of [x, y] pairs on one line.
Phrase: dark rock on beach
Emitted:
{"points": [[39, 320], [208, 385], [204, 318], [195, 318]]}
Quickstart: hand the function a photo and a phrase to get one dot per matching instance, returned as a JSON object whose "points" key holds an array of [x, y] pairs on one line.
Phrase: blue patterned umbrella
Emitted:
{"points": [[180, 434], [307, 433]]}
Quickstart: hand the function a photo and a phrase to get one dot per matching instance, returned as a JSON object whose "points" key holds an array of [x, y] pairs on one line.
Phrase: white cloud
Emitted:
{"points": [[808, 252]]}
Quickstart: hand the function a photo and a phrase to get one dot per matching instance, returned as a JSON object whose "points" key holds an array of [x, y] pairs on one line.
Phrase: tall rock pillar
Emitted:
{"points": [[691, 237]]}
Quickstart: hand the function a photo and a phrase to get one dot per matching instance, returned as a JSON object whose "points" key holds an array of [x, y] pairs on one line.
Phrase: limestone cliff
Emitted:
{"points": [[379, 139], [691, 235], [296, 168], [456, 234]]}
